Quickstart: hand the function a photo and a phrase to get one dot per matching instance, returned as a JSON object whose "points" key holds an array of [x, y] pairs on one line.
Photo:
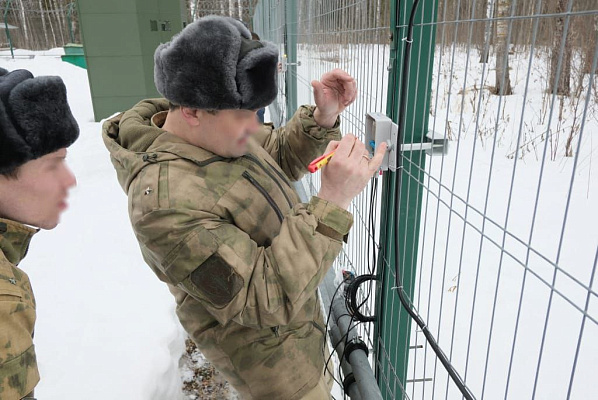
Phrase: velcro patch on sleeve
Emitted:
{"points": [[217, 281]]}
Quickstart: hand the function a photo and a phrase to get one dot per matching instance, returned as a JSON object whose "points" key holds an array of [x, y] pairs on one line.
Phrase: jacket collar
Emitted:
{"points": [[168, 143], [15, 239]]}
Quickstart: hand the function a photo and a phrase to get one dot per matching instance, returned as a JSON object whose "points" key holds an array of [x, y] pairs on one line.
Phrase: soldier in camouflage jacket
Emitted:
{"points": [[36, 126], [211, 204]]}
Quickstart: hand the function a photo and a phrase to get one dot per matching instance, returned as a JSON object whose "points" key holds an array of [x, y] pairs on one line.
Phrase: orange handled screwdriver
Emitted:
{"points": [[320, 162]]}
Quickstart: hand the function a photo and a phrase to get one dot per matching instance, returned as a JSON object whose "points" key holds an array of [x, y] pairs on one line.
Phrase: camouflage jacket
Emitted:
{"points": [[241, 255], [18, 366]]}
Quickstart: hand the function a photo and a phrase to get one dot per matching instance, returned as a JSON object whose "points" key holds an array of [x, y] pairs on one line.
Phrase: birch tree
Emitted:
{"points": [[503, 79], [562, 85], [485, 49]]}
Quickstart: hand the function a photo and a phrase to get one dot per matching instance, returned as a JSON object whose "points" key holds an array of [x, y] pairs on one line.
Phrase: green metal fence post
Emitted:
{"points": [[291, 51], [394, 324]]}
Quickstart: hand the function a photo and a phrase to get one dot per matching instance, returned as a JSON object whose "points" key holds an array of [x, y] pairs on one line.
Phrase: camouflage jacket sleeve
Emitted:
{"points": [[18, 366], [296, 144], [233, 277]]}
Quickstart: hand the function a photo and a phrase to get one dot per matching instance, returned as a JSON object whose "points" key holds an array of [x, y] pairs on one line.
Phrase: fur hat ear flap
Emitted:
{"points": [[254, 77], [14, 151]]}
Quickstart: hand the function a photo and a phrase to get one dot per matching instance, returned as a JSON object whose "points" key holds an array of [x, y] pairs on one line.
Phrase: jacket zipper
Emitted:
{"points": [[208, 161], [263, 191], [256, 161], [282, 176]]}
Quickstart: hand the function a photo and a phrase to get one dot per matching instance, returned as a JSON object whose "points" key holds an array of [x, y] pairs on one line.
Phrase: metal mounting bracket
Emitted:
{"points": [[285, 64]]}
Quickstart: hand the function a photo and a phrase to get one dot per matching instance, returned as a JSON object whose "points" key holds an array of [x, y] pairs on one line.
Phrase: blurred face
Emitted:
{"points": [[38, 196], [227, 132]]}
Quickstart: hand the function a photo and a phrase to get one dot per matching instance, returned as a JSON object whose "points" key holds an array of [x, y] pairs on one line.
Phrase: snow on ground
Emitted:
{"points": [[106, 327]]}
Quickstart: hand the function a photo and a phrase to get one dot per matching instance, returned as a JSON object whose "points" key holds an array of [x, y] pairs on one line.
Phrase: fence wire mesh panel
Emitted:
{"points": [[508, 245], [242, 10], [270, 22], [353, 36]]}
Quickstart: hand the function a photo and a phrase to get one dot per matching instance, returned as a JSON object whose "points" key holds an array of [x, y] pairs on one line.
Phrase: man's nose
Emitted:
{"points": [[71, 180]]}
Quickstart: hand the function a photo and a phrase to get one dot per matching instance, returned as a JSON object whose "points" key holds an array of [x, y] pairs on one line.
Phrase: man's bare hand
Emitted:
{"points": [[349, 170], [334, 92]]}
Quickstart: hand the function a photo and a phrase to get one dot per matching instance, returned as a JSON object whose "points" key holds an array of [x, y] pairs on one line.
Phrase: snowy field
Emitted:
{"points": [[106, 327]]}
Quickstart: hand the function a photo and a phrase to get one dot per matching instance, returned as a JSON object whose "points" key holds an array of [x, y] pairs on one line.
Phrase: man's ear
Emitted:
{"points": [[191, 115]]}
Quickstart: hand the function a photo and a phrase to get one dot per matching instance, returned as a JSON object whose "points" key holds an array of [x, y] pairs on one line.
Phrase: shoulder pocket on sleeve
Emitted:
{"points": [[9, 290], [190, 253]]}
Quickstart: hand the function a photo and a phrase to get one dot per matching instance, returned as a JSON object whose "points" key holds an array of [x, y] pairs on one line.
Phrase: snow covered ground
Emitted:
{"points": [[106, 327]]}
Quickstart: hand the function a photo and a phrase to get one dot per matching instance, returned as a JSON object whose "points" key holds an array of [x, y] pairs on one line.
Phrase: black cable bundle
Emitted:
{"points": [[351, 298], [398, 284]]}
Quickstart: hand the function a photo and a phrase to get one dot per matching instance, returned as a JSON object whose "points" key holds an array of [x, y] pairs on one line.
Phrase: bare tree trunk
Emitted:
{"points": [[562, 86], [485, 48], [48, 14], [59, 13], [189, 14], [588, 47], [75, 26], [43, 17], [24, 24], [503, 79]]}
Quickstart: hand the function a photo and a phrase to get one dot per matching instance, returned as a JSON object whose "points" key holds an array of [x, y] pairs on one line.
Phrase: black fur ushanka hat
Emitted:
{"points": [[214, 64], [35, 118]]}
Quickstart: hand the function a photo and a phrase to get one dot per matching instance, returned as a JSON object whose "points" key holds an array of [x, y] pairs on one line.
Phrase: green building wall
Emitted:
{"points": [[120, 37]]}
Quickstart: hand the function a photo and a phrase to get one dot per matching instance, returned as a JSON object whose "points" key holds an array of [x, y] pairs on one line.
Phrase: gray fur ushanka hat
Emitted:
{"points": [[214, 64], [35, 118]]}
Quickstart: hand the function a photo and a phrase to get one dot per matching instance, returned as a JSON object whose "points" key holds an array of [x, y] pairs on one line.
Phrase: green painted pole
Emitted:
{"points": [[393, 327], [12, 53]]}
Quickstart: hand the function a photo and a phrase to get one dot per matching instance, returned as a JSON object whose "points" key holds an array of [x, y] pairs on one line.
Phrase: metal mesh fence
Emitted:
{"points": [[353, 36], [242, 10], [506, 263], [495, 241]]}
